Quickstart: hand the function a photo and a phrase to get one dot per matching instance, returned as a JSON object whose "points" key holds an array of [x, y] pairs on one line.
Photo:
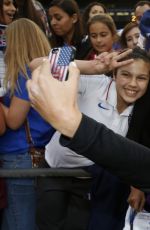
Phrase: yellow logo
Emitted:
{"points": [[133, 19]]}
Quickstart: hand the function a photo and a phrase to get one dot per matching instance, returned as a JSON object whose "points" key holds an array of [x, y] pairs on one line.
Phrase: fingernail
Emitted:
{"points": [[44, 59], [73, 64]]}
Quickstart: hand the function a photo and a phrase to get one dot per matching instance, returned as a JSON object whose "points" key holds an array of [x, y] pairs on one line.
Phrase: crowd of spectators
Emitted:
{"points": [[115, 94]]}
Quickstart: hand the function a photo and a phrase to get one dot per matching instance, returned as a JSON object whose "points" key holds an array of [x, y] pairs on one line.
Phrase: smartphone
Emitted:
{"points": [[60, 58], [2, 37]]}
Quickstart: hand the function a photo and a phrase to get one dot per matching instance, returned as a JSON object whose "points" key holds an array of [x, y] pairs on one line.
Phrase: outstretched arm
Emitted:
{"points": [[124, 158], [104, 63]]}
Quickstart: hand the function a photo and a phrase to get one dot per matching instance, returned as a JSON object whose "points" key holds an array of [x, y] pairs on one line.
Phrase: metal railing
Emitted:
{"points": [[43, 172]]}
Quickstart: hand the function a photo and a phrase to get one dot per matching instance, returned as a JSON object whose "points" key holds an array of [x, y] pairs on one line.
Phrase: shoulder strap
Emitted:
{"points": [[28, 134]]}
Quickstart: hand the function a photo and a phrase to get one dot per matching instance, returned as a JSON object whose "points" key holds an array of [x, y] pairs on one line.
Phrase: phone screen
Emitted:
{"points": [[60, 58]]}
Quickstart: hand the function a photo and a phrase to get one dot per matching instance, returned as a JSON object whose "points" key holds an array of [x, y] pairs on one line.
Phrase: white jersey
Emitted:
{"points": [[97, 99]]}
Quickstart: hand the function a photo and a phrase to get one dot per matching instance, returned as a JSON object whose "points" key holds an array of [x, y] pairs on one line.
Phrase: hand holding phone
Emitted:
{"points": [[60, 58]]}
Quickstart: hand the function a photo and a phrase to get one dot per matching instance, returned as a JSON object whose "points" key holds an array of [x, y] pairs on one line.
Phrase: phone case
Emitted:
{"points": [[60, 58]]}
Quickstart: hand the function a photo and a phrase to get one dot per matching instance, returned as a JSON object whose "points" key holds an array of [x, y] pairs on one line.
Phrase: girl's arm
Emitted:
{"points": [[104, 63], [16, 114]]}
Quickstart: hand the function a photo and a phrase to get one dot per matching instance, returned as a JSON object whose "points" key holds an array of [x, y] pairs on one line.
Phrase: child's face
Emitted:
{"points": [[131, 82], [132, 37], [101, 37]]}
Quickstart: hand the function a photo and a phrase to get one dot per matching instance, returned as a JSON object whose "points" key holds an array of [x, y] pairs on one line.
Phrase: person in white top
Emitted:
{"points": [[97, 98], [111, 102]]}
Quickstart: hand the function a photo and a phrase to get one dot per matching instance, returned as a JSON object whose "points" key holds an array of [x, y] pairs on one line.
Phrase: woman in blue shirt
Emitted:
{"points": [[25, 41]]}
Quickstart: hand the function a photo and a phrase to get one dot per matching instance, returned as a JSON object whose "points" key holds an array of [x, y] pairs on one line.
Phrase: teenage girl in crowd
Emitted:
{"points": [[14, 148], [65, 24], [130, 35], [102, 34], [109, 195]]}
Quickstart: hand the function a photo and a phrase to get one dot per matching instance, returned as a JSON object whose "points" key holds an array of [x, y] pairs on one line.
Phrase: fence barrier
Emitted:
{"points": [[43, 172]]}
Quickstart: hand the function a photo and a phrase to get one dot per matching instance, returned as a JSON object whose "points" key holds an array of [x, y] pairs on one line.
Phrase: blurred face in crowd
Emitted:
{"points": [[132, 37], [101, 37], [139, 11], [8, 12], [131, 82], [96, 10], [61, 23]]}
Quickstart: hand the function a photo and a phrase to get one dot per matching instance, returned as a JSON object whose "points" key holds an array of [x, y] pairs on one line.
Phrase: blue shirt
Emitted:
{"points": [[15, 141]]}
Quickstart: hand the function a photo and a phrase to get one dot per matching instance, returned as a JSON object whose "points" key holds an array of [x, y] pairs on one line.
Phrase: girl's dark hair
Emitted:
{"points": [[70, 7], [85, 16], [127, 28], [137, 53]]}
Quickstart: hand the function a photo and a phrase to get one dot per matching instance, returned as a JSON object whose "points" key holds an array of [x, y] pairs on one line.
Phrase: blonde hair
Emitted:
{"points": [[25, 41]]}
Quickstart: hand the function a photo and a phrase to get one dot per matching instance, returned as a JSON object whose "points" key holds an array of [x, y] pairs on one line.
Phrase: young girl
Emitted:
{"points": [[110, 102], [130, 35], [102, 34], [25, 41]]}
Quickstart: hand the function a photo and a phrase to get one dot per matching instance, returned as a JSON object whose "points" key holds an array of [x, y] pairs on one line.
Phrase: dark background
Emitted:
{"points": [[120, 10], [108, 3]]}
